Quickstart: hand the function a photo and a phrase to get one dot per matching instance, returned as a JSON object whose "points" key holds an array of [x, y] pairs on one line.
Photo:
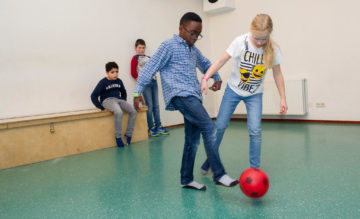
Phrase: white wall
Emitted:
{"points": [[53, 52], [319, 41]]}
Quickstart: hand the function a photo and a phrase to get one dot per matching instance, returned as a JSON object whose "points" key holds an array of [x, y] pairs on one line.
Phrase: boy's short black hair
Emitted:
{"points": [[190, 16], [140, 42], [111, 65]]}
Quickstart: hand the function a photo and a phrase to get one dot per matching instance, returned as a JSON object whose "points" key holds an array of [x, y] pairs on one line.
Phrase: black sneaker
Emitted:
{"points": [[128, 140], [119, 142]]}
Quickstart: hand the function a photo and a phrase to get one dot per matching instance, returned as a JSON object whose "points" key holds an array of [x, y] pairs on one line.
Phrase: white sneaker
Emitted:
{"points": [[194, 185], [225, 180]]}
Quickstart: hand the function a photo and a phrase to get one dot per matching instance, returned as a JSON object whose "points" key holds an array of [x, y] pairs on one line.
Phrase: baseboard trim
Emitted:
{"points": [[174, 126], [302, 120], [284, 120]]}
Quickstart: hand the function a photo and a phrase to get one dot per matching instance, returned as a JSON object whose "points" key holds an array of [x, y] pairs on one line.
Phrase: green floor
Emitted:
{"points": [[314, 172]]}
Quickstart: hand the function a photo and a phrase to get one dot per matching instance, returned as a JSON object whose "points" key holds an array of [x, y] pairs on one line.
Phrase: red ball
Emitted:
{"points": [[254, 182]]}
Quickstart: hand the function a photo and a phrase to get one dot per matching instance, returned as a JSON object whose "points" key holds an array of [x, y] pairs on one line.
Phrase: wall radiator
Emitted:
{"points": [[296, 97]]}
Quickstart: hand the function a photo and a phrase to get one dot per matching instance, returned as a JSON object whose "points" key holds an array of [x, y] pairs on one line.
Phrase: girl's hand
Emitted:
{"points": [[283, 107], [204, 87]]}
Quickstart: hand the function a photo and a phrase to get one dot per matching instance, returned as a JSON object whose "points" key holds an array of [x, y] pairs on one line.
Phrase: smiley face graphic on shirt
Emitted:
{"points": [[258, 71], [245, 75]]}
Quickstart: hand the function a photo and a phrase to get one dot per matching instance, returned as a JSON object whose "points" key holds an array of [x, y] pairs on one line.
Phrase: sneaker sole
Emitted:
{"points": [[231, 184], [194, 188]]}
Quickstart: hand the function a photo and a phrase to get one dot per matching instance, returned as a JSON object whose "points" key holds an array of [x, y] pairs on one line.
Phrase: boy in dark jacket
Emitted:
{"points": [[112, 94]]}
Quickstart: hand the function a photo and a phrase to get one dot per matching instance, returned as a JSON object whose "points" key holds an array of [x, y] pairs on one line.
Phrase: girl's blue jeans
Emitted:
{"points": [[254, 114]]}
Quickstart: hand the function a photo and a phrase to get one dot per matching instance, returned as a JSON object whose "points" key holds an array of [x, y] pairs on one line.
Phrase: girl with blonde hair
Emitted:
{"points": [[254, 53]]}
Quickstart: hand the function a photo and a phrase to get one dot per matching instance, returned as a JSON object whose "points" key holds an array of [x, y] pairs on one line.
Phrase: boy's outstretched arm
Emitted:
{"points": [[155, 64]]}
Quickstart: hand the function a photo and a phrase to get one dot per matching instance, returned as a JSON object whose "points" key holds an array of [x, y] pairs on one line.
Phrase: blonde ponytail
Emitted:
{"points": [[268, 54]]}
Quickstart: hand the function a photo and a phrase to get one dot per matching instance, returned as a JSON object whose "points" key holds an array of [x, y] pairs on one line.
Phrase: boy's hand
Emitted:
{"points": [[216, 86], [137, 101]]}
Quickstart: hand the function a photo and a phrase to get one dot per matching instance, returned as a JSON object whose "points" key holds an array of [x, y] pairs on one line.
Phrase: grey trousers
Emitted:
{"points": [[117, 106]]}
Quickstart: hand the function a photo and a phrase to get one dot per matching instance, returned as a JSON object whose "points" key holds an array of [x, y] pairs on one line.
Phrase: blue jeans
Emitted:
{"points": [[254, 114], [197, 121], [151, 98]]}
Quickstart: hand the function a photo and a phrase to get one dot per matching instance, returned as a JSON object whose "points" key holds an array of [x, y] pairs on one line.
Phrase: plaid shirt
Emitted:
{"points": [[177, 64]]}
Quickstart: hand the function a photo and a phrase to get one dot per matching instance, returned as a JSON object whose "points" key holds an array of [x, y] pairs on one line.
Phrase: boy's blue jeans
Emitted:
{"points": [[151, 98], [254, 114], [197, 121]]}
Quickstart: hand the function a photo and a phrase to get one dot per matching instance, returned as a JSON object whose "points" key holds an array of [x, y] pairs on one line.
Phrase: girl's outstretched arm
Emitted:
{"points": [[213, 69], [279, 80]]}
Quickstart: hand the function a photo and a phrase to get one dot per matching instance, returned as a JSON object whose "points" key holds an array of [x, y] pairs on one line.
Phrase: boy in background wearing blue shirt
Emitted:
{"points": [[112, 93], [177, 59]]}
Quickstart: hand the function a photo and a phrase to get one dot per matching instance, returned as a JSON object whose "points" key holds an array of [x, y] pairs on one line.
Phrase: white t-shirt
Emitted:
{"points": [[247, 76]]}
